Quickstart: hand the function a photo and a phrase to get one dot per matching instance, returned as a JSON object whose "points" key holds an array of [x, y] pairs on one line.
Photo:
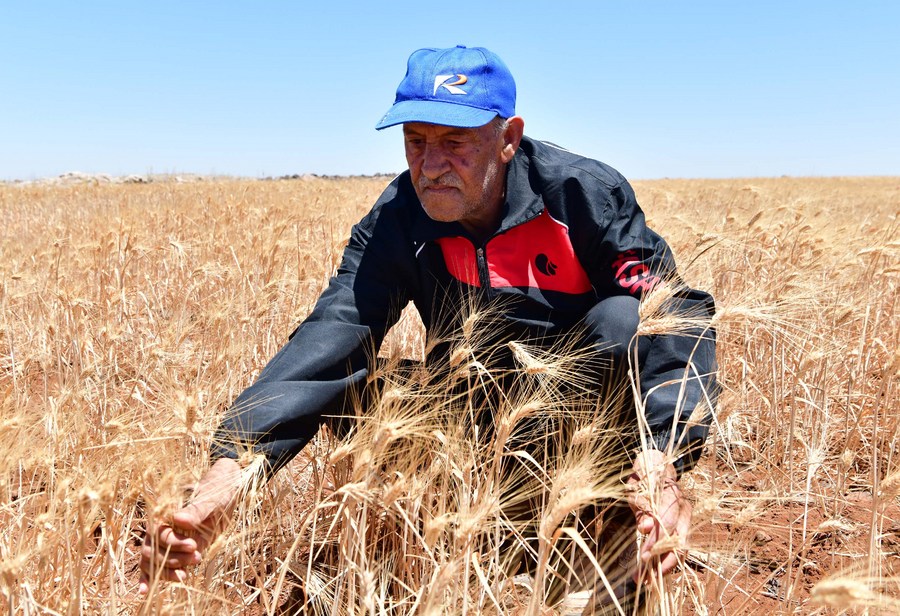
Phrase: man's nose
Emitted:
{"points": [[434, 161]]}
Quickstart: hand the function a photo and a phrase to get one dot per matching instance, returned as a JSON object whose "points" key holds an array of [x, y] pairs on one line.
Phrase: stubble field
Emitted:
{"points": [[131, 315]]}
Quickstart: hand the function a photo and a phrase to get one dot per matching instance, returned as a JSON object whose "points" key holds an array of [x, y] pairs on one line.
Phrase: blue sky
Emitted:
{"points": [[656, 89]]}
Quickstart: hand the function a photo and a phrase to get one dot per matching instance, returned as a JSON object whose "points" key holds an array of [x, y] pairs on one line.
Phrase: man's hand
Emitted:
{"points": [[170, 548], [662, 512]]}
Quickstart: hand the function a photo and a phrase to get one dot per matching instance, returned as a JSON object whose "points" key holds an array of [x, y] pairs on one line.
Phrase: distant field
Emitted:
{"points": [[132, 314]]}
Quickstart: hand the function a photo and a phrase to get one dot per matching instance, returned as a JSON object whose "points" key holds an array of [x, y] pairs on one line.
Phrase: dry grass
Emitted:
{"points": [[131, 315]]}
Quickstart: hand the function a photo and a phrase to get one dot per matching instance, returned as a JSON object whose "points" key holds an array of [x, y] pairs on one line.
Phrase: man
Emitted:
{"points": [[555, 240]]}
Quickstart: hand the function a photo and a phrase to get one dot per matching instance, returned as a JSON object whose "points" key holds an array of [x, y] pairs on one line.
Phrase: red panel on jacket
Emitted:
{"points": [[459, 255], [537, 254]]}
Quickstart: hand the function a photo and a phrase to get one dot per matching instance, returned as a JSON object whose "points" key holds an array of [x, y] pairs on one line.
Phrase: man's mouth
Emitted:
{"points": [[440, 185]]}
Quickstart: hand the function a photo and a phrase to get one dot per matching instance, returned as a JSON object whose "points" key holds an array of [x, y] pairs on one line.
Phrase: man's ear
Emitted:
{"points": [[512, 136]]}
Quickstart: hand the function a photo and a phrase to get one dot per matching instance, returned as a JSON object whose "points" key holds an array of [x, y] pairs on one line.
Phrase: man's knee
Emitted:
{"points": [[611, 324]]}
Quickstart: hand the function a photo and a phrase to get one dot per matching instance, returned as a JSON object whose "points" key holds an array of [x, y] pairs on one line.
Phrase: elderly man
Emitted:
{"points": [[555, 240]]}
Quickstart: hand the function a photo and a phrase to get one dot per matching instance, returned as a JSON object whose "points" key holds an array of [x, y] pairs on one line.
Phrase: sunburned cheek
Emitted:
{"points": [[473, 160]]}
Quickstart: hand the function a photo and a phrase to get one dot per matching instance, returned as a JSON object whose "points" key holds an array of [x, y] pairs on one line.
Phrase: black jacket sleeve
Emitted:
{"points": [[329, 354], [677, 375]]}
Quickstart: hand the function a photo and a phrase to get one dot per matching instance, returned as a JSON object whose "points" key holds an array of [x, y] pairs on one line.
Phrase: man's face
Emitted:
{"points": [[458, 173]]}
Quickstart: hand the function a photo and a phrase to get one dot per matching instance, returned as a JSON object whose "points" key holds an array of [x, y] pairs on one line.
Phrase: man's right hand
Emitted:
{"points": [[170, 548]]}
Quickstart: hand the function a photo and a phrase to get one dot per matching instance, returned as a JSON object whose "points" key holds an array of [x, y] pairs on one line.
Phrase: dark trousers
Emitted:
{"points": [[608, 330]]}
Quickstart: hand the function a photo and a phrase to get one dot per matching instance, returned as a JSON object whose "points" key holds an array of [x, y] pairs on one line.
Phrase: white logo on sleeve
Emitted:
{"points": [[441, 81]]}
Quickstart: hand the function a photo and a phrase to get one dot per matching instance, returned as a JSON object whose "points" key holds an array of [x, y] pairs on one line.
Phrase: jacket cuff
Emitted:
{"points": [[685, 455]]}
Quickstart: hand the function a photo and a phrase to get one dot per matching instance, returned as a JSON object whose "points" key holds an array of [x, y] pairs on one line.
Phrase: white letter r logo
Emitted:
{"points": [[441, 82]]}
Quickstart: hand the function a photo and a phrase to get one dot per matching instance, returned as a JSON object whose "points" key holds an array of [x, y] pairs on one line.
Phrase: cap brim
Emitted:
{"points": [[436, 112]]}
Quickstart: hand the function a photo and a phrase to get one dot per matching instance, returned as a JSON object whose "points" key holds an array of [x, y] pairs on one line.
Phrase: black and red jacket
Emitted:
{"points": [[572, 233]]}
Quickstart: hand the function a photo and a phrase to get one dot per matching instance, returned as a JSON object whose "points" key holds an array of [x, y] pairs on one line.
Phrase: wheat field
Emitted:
{"points": [[132, 314]]}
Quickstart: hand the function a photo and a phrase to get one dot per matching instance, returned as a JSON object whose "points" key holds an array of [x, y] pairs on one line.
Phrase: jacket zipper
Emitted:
{"points": [[483, 274]]}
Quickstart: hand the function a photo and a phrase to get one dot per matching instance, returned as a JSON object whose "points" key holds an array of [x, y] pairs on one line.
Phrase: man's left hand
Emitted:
{"points": [[662, 512]]}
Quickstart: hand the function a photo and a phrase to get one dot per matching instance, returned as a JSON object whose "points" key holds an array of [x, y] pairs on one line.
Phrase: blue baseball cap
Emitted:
{"points": [[460, 86]]}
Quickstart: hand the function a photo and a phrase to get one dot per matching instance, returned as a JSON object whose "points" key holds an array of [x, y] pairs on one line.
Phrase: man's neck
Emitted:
{"points": [[482, 229]]}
